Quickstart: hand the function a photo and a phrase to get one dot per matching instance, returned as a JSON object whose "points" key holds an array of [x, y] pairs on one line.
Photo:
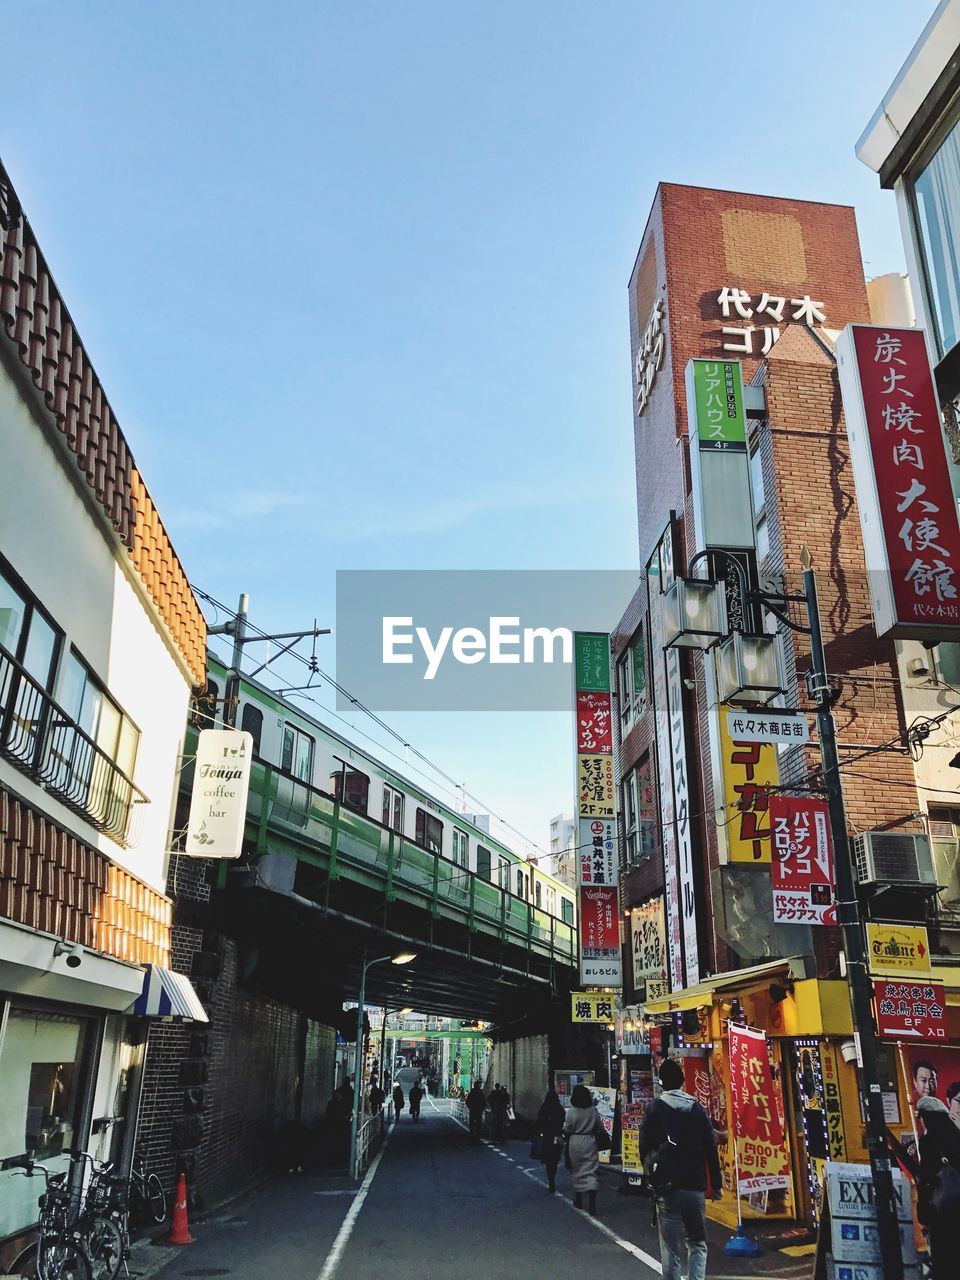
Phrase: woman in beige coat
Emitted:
{"points": [[580, 1129]]}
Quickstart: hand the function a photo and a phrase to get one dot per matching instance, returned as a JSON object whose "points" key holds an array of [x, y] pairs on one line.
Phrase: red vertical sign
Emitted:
{"points": [[763, 1162], [802, 861]]}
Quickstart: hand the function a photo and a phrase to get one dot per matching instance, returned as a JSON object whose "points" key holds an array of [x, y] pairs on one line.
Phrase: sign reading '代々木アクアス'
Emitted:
{"points": [[218, 802], [908, 511]]}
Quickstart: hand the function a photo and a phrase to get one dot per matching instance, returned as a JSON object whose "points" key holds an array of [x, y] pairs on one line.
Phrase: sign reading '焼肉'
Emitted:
{"points": [[908, 511]]}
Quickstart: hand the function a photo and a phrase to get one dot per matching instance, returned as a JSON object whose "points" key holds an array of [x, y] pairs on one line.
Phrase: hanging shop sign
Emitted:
{"points": [[801, 870], [597, 851], [649, 946], [910, 1010], [599, 921], [762, 1159], [896, 949], [749, 771], [594, 724], [718, 399], [218, 802], [764, 315], [783, 728], [595, 786], [908, 512], [832, 1100], [592, 1006]]}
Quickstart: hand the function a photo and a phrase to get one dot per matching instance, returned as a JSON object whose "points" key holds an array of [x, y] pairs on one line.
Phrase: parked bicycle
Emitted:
{"points": [[60, 1252], [148, 1193]]}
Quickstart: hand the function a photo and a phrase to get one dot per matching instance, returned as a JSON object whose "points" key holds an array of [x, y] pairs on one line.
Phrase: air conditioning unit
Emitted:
{"points": [[893, 857]]}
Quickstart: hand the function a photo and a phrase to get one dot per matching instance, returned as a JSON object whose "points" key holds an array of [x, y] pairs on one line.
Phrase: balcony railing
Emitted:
{"points": [[40, 739]]}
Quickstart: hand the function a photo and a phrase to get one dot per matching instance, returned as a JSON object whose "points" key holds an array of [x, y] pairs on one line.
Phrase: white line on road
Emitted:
{"points": [[345, 1191], [628, 1245], [347, 1225]]}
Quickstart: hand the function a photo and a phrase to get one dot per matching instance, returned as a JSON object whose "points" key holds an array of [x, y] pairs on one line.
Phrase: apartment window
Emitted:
{"points": [[251, 720], [392, 813], [460, 855], [296, 756], [948, 664], [756, 478], [85, 702], [646, 808], [625, 691], [352, 788], [938, 227], [25, 631], [638, 662], [429, 832], [483, 863], [628, 792], [566, 911]]}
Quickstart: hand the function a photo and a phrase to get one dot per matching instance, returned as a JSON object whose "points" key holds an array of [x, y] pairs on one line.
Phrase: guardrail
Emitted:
{"points": [[370, 1139]]}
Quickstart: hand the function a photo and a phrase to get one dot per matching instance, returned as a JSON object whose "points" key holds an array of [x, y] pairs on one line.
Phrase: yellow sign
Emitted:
{"points": [[592, 1006], [630, 1151], [898, 948], [749, 771], [596, 786], [832, 1100]]}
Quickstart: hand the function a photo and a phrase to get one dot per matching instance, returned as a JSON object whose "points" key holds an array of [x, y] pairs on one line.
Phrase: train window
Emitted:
{"points": [[566, 911], [483, 863], [252, 721], [392, 808], [429, 832], [351, 787], [537, 893], [521, 884], [460, 855], [297, 755]]}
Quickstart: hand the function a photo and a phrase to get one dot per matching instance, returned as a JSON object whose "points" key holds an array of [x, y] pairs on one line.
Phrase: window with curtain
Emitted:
{"points": [[936, 192]]}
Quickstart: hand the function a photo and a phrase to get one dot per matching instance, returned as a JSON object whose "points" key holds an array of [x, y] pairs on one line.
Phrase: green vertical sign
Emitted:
{"points": [[718, 397], [592, 661]]}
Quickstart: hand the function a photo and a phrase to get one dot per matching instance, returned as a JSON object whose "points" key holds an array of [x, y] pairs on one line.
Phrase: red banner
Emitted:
{"points": [[910, 1010], [910, 490], [757, 1119], [594, 724], [599, 920], [802, 861]]}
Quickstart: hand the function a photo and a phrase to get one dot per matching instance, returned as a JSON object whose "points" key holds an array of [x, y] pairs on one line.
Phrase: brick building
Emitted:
{"points": [[767, 283]]}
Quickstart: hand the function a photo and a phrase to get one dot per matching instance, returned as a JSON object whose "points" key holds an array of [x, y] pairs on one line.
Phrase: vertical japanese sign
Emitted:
{"points": [[762, 1160], [597, 870], [802, 866], [832, 1101], [908, 510], [649, 945], [718, 397], [749, 770], [675, 804]]}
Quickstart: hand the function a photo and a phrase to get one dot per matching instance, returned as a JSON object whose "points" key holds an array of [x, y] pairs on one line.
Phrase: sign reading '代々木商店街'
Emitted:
{"points": [[754, 726], [908, 512], [218, 802]]}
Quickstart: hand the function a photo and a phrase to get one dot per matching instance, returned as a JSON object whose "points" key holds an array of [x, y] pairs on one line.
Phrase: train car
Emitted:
{"points": [[316, 763]]}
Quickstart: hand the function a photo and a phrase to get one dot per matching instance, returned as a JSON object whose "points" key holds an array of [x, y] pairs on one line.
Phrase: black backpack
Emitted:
{"points": [[659, 1169]]}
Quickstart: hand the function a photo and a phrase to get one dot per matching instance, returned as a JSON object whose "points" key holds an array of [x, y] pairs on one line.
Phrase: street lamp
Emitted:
{"points": [[403, 957], [694, 614], [748, 669]]}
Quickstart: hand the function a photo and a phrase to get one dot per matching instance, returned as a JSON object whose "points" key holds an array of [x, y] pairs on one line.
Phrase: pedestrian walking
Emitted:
{"points": [[677, 1136], [377, 1097], [476, 1105], [580, 1128], [500, 1112], [416, 1097], [550, 1120], [398, 1099], [938, 1206]]}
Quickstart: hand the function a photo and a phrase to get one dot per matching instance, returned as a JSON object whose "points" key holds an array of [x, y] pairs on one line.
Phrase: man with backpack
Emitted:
{"points": [[679, 1150]]}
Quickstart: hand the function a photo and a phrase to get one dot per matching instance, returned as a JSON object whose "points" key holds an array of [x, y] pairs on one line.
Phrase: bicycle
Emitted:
{"points": [[60, 1253], [102, 1218], [149, 1190]]}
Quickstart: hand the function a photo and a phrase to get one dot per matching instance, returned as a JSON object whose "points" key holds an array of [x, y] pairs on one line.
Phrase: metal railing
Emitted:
{"points": [[370, 1137], [42, 741]]}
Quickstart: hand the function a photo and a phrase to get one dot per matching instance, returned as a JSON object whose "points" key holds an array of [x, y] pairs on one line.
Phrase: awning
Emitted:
{"points": [[168, 996], [701, 995], [31, 966]]}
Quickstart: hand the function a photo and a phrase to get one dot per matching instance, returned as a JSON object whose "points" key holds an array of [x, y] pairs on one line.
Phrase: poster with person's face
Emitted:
{"points": [[935, 1073]]}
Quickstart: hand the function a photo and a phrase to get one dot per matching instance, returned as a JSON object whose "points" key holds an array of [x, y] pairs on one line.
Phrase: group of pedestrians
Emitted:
{"points": [[415, 1098], [477, 1103]]}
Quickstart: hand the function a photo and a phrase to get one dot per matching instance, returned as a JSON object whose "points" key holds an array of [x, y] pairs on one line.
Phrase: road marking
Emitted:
{"points": [[349, 1222], [345, 1191], [627, 1245]]}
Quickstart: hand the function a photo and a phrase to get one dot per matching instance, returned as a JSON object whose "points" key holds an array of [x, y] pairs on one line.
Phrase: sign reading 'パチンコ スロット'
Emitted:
{"points": [[908, 511], [218, 802]]}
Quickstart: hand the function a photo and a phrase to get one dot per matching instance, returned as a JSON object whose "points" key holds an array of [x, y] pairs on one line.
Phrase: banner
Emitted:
{"points": [[758, 1130], [749, 771], [935, 1072], [649, 946], [804, 888], [908, 512], [218, 802], [605, 1100]]}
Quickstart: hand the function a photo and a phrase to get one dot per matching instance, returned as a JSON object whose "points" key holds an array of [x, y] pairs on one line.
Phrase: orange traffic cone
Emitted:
{"points": [[179, 1226]]}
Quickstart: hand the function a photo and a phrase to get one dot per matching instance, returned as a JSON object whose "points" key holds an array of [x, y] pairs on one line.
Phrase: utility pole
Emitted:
{"points": [[848, 911]]}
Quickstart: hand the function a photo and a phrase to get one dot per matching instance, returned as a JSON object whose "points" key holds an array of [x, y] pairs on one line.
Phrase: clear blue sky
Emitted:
{"points": [[354, 275]]}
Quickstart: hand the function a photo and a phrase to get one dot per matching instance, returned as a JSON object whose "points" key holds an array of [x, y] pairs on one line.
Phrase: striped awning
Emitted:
{"points": [[169, 996]]}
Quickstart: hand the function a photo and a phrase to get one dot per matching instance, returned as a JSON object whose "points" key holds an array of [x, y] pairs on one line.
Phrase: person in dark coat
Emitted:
{"points": [[398, 1099], [476, 1105], [377, 1097], [678, 1118], [499, 1112], [939, 1145], [550, 1120], [416, 1097]]}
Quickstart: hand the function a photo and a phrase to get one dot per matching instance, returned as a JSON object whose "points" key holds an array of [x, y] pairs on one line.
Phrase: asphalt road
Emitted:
{"points": [[433, 1207]]}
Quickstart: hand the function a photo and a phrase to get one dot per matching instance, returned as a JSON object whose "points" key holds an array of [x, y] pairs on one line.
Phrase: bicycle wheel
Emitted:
{"points": [[105, 1246], [155, 1197], [60, 1258]]}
